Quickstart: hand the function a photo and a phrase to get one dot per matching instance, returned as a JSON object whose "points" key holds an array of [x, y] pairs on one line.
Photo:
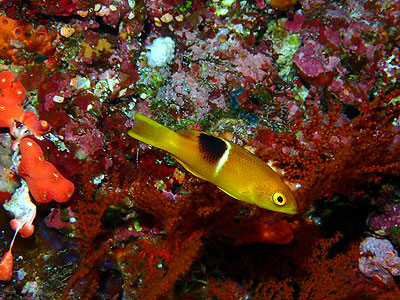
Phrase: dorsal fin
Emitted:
{"points": [[212, 148]]}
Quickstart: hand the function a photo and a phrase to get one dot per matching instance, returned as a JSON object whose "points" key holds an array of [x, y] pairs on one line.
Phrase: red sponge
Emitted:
{"points": [[44, 181], [12, 94]]}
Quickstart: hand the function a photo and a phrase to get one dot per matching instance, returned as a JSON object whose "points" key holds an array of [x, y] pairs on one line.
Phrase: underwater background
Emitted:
{"points": [[312, 87]]}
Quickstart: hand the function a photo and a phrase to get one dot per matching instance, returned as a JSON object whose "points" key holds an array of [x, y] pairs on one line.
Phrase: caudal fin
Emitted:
{"points": [[150, 132]]}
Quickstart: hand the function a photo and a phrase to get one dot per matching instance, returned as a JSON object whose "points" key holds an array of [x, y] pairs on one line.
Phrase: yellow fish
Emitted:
{"points": [[233, 169]]}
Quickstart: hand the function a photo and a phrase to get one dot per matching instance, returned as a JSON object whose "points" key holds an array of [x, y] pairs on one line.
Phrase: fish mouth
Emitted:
{"points": [[291, 211]]}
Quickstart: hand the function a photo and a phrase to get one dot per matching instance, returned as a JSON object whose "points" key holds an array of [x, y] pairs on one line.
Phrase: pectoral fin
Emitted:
{"points": [[188, 168]]}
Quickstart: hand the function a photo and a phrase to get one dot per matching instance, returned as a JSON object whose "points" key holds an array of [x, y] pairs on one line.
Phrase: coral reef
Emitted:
{"points": [[310, 87], [40, 178]]}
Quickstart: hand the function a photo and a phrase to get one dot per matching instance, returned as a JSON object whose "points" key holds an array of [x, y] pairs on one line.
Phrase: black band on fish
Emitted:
{"points": [[211, 147]]}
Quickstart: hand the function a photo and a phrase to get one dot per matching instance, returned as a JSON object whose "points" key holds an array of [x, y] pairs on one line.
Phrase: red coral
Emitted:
{"points": [[90, 210], [327, 151], [44, 181], [160, 265]]}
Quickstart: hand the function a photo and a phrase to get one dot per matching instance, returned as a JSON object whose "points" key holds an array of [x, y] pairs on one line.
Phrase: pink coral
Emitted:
{"points": [[378, 259], [314, 65], [85, 135], [382, 223], [296, 24], [54, 219]]}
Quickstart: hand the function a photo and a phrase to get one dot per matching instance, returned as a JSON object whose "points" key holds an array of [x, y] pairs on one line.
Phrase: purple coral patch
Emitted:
{"points": [[315, 66], [378, 259]]}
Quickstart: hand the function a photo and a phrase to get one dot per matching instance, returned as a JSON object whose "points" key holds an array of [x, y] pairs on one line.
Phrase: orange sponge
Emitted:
{"points": [[44, 181], [19, 38], [12, 94]]}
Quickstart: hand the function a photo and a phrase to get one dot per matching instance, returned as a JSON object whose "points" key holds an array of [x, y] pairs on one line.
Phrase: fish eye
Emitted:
{"points": [[279, 199]]}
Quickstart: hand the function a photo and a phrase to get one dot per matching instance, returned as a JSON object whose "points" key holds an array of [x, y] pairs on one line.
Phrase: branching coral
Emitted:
{"points": [[157, 268], [326, 150]]}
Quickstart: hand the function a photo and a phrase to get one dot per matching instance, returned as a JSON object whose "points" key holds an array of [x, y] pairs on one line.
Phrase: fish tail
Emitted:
{"points": [[150, 132]]}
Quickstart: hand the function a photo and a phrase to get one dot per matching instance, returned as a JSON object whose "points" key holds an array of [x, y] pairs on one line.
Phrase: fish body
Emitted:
{"points": [[233, 169]]}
